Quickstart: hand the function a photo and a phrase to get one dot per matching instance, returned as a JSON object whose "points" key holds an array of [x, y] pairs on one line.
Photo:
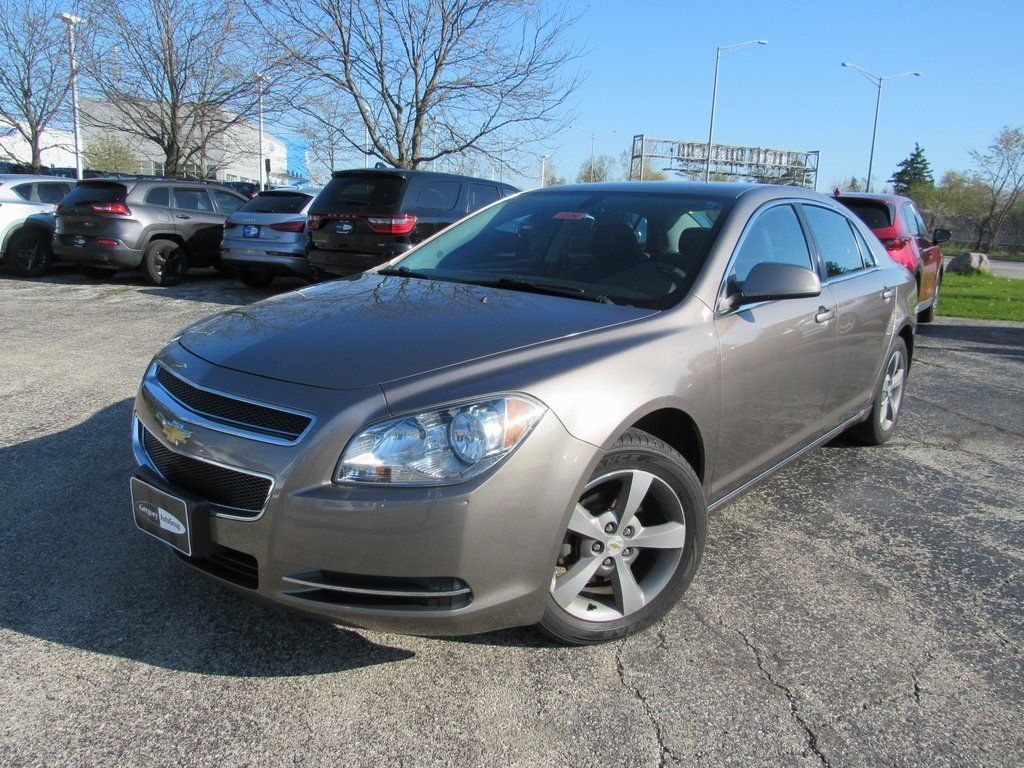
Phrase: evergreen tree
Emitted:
{"points": [[914, 171]]}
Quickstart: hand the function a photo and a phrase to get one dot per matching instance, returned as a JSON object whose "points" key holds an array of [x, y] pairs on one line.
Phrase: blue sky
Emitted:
{"points": [[650, 67]]}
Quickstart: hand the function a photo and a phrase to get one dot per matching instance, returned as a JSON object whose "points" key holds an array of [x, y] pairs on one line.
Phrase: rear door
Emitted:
{"points": [[864, 305], [777, 357], [196, 219], [353, 213], [482, 194], [77, 216], [436, 201]]}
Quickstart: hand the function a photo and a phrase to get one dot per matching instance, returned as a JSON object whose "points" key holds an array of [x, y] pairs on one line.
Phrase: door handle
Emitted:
{"points": [[824, 315], [888, 293], [182, 216]]}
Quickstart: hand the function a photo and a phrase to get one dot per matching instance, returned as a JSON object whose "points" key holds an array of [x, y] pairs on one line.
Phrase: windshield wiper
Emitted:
{"points": [[404, 272], [532, 286]]}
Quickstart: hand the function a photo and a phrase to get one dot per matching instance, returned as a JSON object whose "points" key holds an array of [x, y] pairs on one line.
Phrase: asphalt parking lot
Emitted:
{"points": [[862, 608]]}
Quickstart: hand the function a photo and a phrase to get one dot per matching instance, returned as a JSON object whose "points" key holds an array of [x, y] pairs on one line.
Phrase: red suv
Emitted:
{"points": [[896, 221]]}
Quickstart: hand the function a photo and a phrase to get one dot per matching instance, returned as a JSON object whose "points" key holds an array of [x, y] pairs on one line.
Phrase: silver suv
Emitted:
{"points": [[25, 231]]}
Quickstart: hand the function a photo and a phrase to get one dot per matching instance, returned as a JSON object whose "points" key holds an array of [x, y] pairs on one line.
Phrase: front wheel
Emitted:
{"points": [[632, 546], [887, 405], [28, 254]]}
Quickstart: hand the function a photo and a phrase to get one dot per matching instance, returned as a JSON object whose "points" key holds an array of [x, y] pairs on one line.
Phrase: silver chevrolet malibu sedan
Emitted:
{"points": [[527, 418]]}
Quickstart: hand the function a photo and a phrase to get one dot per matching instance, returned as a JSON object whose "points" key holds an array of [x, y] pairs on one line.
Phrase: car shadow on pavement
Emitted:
{"points": [[1004, 341], [77, 572]]}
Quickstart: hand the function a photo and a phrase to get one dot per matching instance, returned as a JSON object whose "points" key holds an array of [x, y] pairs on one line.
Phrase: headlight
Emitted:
{"points": [[444, 445]]}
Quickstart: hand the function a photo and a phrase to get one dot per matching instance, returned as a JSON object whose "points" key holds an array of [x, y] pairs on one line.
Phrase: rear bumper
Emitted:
{"points": [[348, 263], [279, 262], [91, 253], [351, 554]]}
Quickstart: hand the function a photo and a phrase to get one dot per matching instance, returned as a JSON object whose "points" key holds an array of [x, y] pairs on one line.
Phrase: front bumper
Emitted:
{"points": [[352, 554]]}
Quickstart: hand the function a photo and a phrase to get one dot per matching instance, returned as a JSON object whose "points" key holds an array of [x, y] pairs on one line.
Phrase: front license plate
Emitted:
{"points": [[162, 515], [250, 230]]}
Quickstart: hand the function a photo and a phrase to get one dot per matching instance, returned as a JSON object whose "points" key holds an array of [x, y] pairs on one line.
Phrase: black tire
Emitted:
{"points": [[164, 263], [639, 451], [96, 273], [256, 278], [28, 254], [876, 430], [928, 315]]}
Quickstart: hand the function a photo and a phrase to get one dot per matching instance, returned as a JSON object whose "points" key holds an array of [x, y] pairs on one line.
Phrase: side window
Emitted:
{"points": [[24, 191], [52, 193], [921, 226], [481, 195], [865, 249], [226, 202], [192, 199], [775, 236], [913, 229], [835, 239], [159, 196], [438, 195]]}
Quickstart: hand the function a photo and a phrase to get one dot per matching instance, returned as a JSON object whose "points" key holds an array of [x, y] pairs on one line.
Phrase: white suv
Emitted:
{"points": [[24, 235]]}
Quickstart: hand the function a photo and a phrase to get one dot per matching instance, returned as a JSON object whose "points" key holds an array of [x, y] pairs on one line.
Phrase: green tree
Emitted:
{"points": [[596, 169], [108, 153], [914, 171]]}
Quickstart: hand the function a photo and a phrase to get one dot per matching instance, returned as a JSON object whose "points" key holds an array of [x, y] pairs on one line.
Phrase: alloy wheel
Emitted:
{"points": [[625, 538], [168, 262], [892, 390], [30, 256]]}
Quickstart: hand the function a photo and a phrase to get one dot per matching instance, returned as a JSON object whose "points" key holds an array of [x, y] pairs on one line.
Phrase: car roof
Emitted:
{"points": [[10, 178], [714, 189], [879, 196], [407, 173]]}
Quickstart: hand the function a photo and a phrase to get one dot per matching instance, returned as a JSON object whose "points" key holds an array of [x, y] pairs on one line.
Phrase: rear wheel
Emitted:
{"points": [[255, 278], [887, 406], [164, 263], [927, 315], [28, 254], [632, 546]]}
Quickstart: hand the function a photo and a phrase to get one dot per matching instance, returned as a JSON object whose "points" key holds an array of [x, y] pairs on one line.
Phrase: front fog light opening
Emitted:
{"points": [[443, 445]]}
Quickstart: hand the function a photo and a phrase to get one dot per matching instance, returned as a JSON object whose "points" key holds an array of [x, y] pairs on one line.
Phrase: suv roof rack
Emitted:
{"points": [[150, 177]]}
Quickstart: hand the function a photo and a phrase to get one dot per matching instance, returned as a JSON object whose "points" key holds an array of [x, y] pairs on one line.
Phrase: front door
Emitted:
{"points": [[864, 309], [776, 358], [198, 222]]}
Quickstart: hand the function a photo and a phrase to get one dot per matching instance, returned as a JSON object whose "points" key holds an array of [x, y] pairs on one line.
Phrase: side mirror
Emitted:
{"points": [[769, 280], [941, 236]]}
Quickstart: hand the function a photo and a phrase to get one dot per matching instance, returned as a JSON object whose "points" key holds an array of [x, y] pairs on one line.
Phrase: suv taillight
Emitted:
{"points": [[289, 226], [402, 224], [895, 243], [114, 209]]}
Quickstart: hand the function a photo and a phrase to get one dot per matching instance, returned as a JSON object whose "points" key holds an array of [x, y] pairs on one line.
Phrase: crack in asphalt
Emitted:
{"points": [[809, 733], [663, 750], [962, 415]]}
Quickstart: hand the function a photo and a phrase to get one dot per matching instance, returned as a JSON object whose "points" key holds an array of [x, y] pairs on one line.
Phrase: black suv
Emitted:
{"points": [[363, 218], [160, 226]]}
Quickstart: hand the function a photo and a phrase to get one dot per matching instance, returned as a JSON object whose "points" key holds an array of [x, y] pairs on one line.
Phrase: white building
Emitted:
{"points": [[57, 147]]}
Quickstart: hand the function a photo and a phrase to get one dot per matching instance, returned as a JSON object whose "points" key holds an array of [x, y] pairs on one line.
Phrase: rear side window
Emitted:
{"points": [[481, 195], [875, 214], [24, 191], [865, 250], [276, 202], [372, 193], [835, 239], [192, 199], [87, 194], [159, 196], [438, 195], [52, 193], [776, 237], [226, 202]]}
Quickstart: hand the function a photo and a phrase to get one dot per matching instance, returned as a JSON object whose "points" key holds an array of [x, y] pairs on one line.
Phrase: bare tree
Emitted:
{"points": [[999, 170], [596, 169], [429, 79], [35, 73], [180, 74]]}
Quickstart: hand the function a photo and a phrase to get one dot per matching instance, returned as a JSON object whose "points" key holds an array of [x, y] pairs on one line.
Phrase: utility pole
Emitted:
{"points": [[543, 168], [366, 147], [878, 82], [259, 85], [71, 22]]}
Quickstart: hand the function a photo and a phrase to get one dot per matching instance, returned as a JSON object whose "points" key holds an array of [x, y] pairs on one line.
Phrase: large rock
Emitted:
{"points": [[970, 264]]}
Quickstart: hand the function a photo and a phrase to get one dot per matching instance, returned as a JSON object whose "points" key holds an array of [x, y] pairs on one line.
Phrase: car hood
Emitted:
{"points": [[372, 329]]}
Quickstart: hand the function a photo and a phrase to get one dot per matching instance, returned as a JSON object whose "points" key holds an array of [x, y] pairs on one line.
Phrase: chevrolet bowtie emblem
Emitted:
{"points": [[175, 433]]}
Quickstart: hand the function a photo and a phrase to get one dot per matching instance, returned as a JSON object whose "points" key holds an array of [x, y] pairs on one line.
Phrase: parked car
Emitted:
{"points": [[25, 235], [267, 236], [365, 217], [896, 221], [247, 188], [527, 417], [157, 225]]}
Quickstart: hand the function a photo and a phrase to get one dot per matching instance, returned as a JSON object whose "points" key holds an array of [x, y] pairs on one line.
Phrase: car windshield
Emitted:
{"points": [[276, 202], [639, 248]]}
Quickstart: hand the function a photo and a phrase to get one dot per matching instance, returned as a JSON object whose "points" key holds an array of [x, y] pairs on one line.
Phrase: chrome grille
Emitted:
{"points": [[243, 493], [230, 411]]}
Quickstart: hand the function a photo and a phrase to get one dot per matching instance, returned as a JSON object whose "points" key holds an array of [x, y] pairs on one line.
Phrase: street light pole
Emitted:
{"points": [[878, 82], [543, 168], [71, 21], [259, 85], [719, 51]]}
